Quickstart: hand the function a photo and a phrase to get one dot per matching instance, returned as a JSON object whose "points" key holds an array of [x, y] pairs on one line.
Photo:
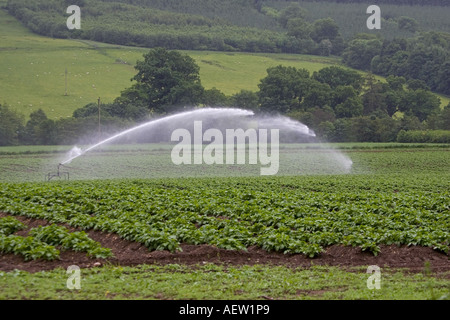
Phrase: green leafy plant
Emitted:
{"points": [[77, 241], [9, 225], [28, 247]]}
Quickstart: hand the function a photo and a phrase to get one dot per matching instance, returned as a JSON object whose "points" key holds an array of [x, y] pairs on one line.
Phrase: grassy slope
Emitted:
{"points": [[33, 70], [35, 67]]}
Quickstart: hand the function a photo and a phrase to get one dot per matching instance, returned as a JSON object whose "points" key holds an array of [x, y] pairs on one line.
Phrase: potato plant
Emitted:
{"points": [[282, 214]]}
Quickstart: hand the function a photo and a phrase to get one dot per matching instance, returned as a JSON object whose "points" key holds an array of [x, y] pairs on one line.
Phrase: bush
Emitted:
{"points": [[422, 136]]}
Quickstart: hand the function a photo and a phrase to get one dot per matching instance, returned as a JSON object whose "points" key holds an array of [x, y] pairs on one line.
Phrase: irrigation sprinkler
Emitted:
{"points": [[62, 175]]}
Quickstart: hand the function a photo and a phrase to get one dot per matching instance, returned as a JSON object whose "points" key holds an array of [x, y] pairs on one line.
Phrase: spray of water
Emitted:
{"points": [[297, 159], [285, 123], [186, 117], [75, 152]]}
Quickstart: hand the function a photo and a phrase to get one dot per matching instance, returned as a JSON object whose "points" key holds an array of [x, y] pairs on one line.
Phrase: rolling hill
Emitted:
{"points": [[33, 70]]}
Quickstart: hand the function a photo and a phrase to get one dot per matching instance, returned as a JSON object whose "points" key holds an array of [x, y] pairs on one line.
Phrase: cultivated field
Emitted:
{"points": [[318, 232]]}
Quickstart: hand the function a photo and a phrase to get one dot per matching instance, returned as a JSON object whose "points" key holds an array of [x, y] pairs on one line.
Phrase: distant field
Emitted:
{"points": [[20, 164], [33, 70]]}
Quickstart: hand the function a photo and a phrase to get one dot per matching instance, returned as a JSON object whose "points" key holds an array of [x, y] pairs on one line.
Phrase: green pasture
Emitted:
{"points": [[33, 68]]}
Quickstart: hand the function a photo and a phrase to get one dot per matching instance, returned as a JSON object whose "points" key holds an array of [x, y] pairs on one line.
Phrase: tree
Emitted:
{"points": [[293, 11], [392, 100], [214, 97], [245, 99], [33, 133], [299, 28], [283, 89], [324, 29], [325, 47], [407, 23], [420, 103], [373, 98], [415, 84], [318, 95], [11, 125], [130, 110], [351, 107], [360, 52], [444, 78], [325, 32], [396, 83], [165, 80], [343, 93], [439, 120], [336, 76]]}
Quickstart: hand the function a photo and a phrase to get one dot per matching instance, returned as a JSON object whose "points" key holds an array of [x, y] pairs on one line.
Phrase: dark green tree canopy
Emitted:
{"points": [[324, 29], [337, 76], [293, 11], [360, 52], [283, 89], [11, 123], [165, 80]]}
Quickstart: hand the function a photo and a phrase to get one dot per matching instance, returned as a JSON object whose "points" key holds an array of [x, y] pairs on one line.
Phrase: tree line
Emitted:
{"points": [[425, 58], [339, 104], [139, 24]]}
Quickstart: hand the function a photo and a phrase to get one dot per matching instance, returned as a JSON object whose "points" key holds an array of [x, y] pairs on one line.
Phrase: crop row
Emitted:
{"points": [[42, 241], [290, 215]]}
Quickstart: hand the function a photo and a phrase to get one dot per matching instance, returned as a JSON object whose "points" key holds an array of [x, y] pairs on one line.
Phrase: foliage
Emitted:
{"points": [[77, 241], [245, 99], [11, 123], [41, 242], [193, 25], [9, 225], [425, 58], [337, 76], [414, 136], [283, 89], [165, 79], [275, 214], [28, 247], [351, 16], [223, 282], [360, 52]]}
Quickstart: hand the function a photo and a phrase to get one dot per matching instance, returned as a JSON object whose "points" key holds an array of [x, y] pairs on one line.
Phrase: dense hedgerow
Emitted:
{"points": [[419, 136]]}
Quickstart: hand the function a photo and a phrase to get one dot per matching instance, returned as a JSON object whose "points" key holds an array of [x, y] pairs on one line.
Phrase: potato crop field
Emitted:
{"points": [[392, 211]]}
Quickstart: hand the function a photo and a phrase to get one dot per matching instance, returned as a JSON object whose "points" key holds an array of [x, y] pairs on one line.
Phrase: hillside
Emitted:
{"points": [[35, 69], [234, 25], [36, 66]]}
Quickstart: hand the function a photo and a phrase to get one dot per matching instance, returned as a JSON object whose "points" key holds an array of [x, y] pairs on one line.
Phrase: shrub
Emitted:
{"points": [[424, 136]]}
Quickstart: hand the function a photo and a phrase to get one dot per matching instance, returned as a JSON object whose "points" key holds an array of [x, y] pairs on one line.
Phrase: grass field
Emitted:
{"points": [[212, 282], [33, 70]]}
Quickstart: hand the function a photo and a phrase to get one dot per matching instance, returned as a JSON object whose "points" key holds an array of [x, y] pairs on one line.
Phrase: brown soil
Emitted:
{"points": [[127, 253]]}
